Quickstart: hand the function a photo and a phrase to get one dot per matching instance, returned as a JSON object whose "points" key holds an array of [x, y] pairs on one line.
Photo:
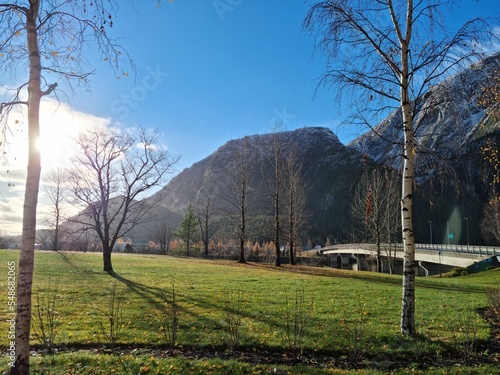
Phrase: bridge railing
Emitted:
{"points": [[462, 249]]}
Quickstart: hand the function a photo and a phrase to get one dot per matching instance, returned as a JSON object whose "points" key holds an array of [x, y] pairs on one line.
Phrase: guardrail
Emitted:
{"points": [[461, 249]]}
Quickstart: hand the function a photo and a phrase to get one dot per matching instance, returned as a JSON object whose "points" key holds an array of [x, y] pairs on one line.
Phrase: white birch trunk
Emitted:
{"points": [[26, 262], [408, 301]]}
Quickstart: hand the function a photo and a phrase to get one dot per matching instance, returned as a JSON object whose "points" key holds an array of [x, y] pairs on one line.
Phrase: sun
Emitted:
{"points": [[55, 147], [59, 128]]}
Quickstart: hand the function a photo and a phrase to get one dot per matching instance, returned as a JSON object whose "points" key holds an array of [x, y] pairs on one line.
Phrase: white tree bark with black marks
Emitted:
{"points": [[386, 52]]}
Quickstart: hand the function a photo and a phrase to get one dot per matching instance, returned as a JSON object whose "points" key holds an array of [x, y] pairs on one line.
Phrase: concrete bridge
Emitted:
{"points": [[425, 254]]}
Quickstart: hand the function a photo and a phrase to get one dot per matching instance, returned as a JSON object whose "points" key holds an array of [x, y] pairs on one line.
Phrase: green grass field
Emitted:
{"points": [[350, 320]]}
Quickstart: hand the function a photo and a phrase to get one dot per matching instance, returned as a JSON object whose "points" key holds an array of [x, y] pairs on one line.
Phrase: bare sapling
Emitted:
{"points": [[45, 319], [168, 315], [112, 327], [297, 319], [233, 318]]}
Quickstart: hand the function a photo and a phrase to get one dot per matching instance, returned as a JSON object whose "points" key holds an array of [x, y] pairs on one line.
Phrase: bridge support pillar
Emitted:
{"points": [[345, 262]]}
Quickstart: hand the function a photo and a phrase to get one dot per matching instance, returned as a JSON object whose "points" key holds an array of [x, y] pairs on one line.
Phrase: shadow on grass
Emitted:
{"points": [[193, 307], [427, 283], [66, 259], [150, 294], [154, 296]]}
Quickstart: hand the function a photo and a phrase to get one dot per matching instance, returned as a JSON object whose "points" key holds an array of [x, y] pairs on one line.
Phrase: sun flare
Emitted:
{"points": [[60, 125]]}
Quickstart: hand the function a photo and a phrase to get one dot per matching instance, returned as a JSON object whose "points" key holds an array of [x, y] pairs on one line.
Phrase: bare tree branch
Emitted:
{"points": [[111, 176], [393, 51]]}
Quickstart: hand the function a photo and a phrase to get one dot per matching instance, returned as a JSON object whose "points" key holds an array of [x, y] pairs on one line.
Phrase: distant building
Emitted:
{"points": [[123, 244]]}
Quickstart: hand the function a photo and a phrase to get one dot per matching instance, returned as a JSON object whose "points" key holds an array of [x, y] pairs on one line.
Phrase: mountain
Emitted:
{"points": [[329, 169], [451, 126], [450, 187], [448, 118]]}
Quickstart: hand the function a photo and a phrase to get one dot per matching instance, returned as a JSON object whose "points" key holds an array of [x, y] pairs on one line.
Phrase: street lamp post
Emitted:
{"points": [[430, 230], [467, 227], [448, 230]]}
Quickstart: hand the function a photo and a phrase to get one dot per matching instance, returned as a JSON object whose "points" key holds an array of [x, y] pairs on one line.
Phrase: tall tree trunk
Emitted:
{"points": [[55, 245], [291, 222], [277, 232], [207, 236], [379, 255], [242, 251], [242, 225], [106, 257], [408, 303], [26, 261], [243, 222], [243, 202], [277, 198]]}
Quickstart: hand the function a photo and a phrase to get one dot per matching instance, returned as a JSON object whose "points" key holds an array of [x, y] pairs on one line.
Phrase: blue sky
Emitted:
{"points": [[213, 70], [207, 71], [218, 73]]}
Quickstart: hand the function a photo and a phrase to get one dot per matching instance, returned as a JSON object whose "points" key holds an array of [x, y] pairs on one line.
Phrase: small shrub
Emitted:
{"points": [[113, 314], [233, 318], [493, 296], [464, 333], [297, 318], [46, 318], [353, 333], [168, 315], [492, 314]]}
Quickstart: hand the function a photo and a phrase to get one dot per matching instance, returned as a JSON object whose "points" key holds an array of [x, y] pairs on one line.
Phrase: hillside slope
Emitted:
{"points": [[451, 177], [454, 117], [329, 170]]}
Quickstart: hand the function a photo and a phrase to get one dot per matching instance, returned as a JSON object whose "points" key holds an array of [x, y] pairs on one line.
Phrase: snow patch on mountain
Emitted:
{"points": [[448, 116]]}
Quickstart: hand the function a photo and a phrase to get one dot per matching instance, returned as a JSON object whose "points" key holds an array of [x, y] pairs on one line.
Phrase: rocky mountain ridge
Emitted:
{"points": [[328, 167], [452, 118], [452, 129], [449, 186]]}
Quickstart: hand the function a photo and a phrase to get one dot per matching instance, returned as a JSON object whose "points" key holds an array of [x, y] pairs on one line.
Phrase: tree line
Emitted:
{"points": [[112, 171]]}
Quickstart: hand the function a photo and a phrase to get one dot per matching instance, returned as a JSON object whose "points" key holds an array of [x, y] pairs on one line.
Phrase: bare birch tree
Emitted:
{"points": [[236, 195], [206, 210], [392, 51], [295, 200], [112, 171], [46, 40], [375, 208], [57, 192]]}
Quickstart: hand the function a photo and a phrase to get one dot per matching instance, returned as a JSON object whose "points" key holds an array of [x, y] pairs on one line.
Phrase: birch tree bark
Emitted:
{"points": [[26, 261], [49, 38], [408, 300], [384, 52]]}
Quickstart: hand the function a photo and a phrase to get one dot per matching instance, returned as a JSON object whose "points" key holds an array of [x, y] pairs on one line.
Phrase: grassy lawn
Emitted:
{"points": [[349, 320]]}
